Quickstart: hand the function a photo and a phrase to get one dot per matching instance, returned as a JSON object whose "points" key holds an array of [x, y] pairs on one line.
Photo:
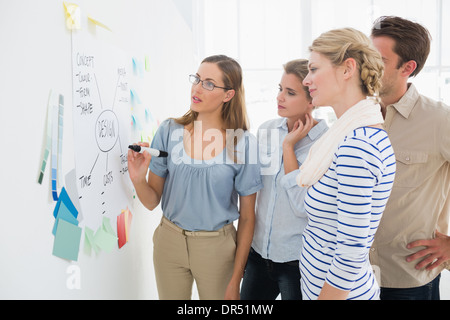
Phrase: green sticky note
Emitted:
{"points": [[106, 225], [64, 214], [89, 242], [67, 240], [105, 240]]}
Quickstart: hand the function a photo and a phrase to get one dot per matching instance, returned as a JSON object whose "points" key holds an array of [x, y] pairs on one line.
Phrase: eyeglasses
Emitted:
{"points": [[208, 85]]}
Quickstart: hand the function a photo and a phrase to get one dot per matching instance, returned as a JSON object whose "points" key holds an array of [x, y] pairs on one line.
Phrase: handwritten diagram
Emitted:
{"points": [[101, 119]]}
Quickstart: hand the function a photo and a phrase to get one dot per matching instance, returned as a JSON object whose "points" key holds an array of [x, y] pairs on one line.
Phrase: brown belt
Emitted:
{"points": [[223, 230]]}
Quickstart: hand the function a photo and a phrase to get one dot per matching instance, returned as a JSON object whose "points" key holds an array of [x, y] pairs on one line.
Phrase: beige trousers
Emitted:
{"points": [[180, 257]]}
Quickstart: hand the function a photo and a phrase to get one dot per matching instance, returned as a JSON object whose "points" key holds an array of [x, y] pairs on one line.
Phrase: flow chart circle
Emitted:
{"points": [[106, 130]]}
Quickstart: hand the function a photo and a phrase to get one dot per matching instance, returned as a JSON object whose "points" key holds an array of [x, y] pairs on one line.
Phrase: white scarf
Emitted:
{"points": [[365, 113]]}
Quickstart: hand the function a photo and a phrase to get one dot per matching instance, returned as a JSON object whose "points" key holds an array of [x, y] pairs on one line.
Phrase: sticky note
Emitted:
{"points": [[98, 23], [64, 198], [106, 225], [121, 232], [149, 116], [136, 123], [138, 67], [135, 96], [105, 237], [89, 242], [123, 227], [105, 240], [73, 16], [64, 214], [67, 240]]}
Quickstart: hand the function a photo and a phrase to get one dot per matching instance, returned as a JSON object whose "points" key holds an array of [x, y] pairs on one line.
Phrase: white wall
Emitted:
{"points": [[35, 57]]}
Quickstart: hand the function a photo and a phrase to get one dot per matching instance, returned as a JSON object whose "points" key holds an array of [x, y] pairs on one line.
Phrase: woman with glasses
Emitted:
{"points": [[211, 165]]}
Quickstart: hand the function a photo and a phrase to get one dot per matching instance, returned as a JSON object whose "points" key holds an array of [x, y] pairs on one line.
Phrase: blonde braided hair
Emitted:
{"points": [[341, 44]]}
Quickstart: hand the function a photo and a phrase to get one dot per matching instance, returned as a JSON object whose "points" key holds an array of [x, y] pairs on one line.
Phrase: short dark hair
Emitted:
{"points": [[413, 41]]}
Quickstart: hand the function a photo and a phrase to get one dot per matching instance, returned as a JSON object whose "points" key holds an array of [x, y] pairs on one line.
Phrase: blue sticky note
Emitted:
{"points": [[64, 197], [67, 241], [136, 123], [135, 97], [64, 214]]}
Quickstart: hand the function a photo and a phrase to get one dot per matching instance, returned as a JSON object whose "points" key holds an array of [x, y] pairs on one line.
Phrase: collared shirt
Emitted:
{"points": [[419, 130], [280, 212]]}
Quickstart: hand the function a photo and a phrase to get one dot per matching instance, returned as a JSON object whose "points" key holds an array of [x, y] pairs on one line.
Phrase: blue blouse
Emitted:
{"points": [[280, 213], [203, 195]]}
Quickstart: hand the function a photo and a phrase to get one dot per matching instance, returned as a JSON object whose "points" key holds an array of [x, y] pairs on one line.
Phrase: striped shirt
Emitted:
{"points": [[344, 210]]}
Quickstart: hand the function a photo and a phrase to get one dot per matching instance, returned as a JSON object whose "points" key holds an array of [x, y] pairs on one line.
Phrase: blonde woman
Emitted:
{"points": [[272, 266], [198, 186], [349, 171]]}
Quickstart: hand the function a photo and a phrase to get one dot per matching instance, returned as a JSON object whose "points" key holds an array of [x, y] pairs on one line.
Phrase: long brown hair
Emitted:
{"points": [[234, 112]]}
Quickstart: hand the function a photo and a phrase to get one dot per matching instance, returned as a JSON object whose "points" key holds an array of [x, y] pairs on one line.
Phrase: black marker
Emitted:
{"points": [[153, 152]]}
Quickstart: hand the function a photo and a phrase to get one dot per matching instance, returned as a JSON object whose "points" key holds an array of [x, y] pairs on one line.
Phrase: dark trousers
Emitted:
{"points": [[429, 291], [265, 279]]}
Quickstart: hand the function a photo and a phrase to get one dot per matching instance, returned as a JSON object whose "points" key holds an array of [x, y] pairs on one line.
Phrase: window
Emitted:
{"points": [[264, 34]]}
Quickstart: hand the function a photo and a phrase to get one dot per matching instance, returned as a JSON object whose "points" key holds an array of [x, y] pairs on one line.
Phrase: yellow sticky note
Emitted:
{"points": [[98, 23], [73, 16]]}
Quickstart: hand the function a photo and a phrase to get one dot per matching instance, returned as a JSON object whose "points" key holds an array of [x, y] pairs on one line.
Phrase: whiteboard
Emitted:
{"points": [[36, 58], [101, 114]]}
